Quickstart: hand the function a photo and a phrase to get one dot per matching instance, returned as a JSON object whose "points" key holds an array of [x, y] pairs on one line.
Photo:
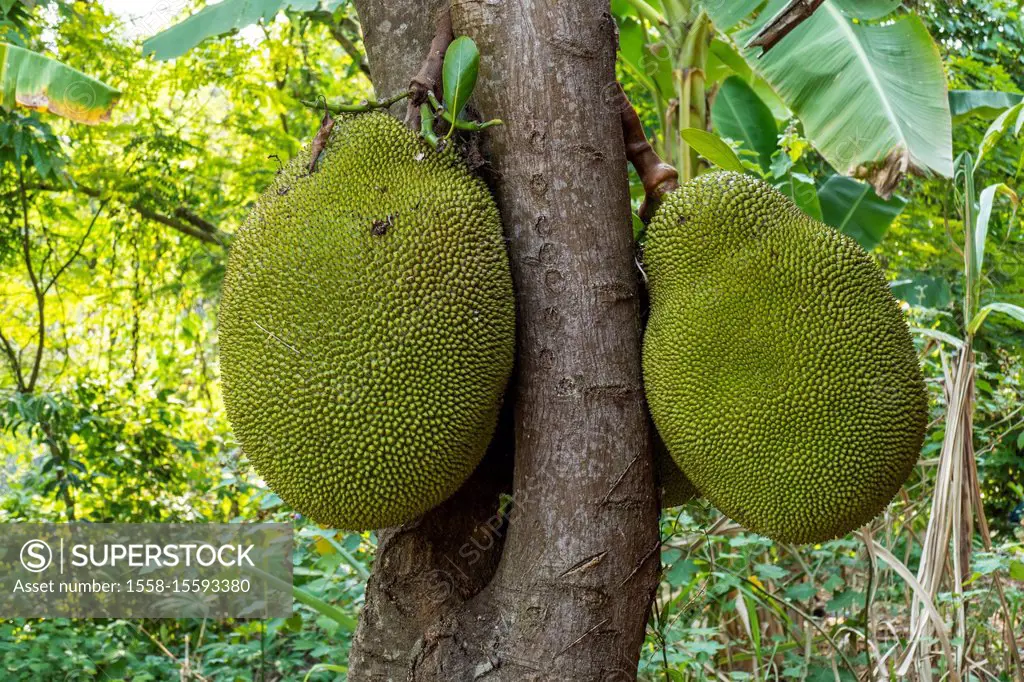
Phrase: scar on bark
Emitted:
{"points": [[428, 79], [658, 177]]}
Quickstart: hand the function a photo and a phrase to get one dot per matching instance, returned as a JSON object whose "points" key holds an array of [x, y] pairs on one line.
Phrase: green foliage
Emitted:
{"points": [[225, 18], [38, 82], [854, 209], [128, 385], [739, 114], [712, 148], [871, 65]]}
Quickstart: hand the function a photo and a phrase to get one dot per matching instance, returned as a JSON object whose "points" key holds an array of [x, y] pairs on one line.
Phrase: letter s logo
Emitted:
{"points": [[36, 556]]}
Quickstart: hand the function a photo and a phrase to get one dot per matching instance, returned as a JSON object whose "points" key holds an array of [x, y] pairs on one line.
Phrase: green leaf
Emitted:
{"points": [[868, 10], [682, 572], [801, 189], [345, 621], [213, 20], [985, 201], [631, 43], [769, 572], [1017, 567], [876, 94], [224, 18], [739, 114], [1014, 311], [997, 130], [987, 103], [37, 82], [712, 148], [327, 667], [724, 61], [461, 65], [854, 209], [844, 600], [801, 591], [728, 14]]}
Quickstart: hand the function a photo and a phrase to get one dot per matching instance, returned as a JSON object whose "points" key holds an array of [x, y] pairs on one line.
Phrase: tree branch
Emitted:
{"points": [[190, 217], [190, 224], [784, 23], [428, 78], [337, 30], [78, 249], [579, 569], [12, 357], [36, 288]]}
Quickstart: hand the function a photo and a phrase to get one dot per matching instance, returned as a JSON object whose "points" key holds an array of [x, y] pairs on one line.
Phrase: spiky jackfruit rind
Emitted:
{"points": [[779, 369], [367, 327], [676, 488]]}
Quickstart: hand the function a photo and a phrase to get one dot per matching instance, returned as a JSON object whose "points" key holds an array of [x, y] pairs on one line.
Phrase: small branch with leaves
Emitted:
{"points": [[449, 70]]}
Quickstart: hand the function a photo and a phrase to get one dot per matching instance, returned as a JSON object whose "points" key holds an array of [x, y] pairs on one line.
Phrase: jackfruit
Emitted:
{"points": [[367, 327], [778, 366], [676, 488]]}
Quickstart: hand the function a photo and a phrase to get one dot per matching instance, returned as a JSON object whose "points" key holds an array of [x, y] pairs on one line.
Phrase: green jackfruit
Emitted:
{"points": [[676, 488], [367, 327], [779, 369]]}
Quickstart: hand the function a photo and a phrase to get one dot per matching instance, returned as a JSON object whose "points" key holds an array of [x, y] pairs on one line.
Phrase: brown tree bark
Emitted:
{"points": [[566, 595]]}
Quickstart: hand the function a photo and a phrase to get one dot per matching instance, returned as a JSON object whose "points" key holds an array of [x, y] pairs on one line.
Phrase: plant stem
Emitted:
{"points": [[691, 90], [357, 108], [647, 11], [658, 177]]}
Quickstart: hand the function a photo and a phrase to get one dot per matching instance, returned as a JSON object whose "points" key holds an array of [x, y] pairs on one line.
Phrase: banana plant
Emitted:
{"points": [[854, 105], [224, 18], [34, 81], [957, 509]]}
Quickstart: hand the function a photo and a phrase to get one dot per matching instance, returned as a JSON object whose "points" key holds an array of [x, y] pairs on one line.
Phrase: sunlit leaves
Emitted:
{"points": [[1011, 119], [222, 18], [31, 80], [713, 148], [985, 204]]}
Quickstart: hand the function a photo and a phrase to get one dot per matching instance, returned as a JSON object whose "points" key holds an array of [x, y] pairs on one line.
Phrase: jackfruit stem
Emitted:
{"points": [[427, 125], [362, 107], [459, 123], [658, 177], [428, 79]]}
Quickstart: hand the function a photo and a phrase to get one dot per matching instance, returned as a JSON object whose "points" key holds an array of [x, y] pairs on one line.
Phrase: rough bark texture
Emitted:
{"points": [[570, 597], [397, 37], [425, 570]]}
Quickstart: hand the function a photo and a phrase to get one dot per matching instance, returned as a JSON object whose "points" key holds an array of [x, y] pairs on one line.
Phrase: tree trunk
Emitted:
{"points": [[566, 595]]}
